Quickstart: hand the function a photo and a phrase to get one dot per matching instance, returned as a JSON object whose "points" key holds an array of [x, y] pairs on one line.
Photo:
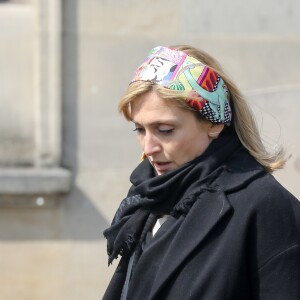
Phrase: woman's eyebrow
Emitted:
{"points": [[157, 122]]}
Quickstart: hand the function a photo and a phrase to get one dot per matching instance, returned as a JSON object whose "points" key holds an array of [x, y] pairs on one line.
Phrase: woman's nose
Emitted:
{"points": [[151, 145]]}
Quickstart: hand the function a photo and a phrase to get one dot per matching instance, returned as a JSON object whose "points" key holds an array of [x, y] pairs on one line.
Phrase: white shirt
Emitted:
{"points": [[158, 224]]}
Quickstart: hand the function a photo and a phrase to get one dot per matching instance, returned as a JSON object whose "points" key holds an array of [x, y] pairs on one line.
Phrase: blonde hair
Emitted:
{"points": [[243, 118]]}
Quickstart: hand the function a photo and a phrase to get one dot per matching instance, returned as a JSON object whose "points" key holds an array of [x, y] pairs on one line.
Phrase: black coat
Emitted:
{"points": [[241, 243]]}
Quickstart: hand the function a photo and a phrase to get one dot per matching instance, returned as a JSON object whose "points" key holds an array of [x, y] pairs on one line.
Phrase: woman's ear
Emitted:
{"points": [[143, 156], [215, 130]]}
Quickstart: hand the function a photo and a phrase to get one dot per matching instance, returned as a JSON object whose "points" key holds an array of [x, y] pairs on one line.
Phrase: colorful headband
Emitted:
{"points": [[175, 70]]}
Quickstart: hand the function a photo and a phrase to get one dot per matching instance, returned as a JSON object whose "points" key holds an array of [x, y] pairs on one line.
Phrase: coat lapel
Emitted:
{"points": [[209, 210], [206, 213]]}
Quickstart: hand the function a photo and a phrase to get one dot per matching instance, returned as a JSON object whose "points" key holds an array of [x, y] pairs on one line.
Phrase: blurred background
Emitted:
{"points": [[65, 152]]}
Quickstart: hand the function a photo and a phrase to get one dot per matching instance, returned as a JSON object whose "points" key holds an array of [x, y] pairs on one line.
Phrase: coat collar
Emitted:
{"points": [[241, 169], [206, 213]]}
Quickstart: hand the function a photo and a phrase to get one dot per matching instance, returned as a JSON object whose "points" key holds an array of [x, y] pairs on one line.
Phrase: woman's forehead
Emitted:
{"points": [[152, 101], [151, 108]]}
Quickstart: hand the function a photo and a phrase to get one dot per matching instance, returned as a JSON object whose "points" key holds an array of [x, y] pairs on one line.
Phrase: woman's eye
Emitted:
{"points": [[139, 129], [166, 131]]}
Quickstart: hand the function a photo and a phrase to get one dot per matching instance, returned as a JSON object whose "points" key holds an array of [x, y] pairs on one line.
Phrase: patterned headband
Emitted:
{"points": [[175, 70]]}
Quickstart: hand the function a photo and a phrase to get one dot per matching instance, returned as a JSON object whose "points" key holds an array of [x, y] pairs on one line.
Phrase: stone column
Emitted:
{"points": [[43, 178], [47, 83]]}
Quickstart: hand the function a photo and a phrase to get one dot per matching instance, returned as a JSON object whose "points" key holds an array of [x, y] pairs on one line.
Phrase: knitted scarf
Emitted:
{"points": [[172, 193]]}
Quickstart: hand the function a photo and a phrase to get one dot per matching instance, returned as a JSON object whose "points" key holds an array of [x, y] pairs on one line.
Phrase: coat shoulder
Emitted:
{"points": [[246, 180], [265, 192], [271, 217]]}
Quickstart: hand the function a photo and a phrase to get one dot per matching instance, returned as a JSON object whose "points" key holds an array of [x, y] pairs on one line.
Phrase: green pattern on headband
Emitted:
{"points": [[177, 71]]}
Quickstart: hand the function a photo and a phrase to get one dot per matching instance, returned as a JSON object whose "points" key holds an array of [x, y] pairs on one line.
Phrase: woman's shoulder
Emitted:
{"points": [[265, 190], [248, 185], [244, 173], [268, 205]]}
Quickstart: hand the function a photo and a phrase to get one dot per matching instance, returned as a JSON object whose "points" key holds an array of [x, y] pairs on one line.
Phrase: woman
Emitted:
{"points": [[204, 218]]}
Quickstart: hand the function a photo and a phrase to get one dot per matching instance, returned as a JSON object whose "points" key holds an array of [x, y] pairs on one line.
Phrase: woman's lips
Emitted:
{"points": [[161, 167]]}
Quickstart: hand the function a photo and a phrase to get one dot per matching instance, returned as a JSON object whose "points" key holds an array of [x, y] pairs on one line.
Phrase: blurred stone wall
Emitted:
{"points": [[16, 85], [55, 250]]}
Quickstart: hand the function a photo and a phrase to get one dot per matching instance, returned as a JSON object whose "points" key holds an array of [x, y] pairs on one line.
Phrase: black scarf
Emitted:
{"points": [[171, 193]]}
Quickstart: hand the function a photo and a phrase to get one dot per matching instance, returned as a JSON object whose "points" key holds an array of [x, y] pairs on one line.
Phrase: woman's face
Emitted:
{"points": [[169, 136]]}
